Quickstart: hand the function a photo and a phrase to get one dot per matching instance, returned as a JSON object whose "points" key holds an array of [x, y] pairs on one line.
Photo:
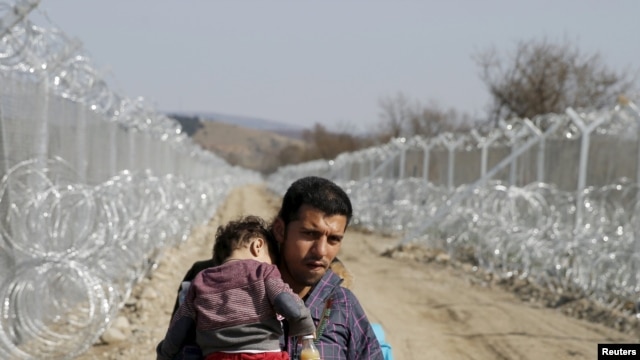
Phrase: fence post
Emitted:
{"points": [[451, 145], [403, 162], [484, 142], [514, 135], [459, 196], [426, 148], [541, 147], [585, 131], [382, 166], [636, 113]]}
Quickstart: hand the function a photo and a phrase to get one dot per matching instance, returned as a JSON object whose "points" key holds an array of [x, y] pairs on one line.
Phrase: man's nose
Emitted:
{"points": [[320, 247]]}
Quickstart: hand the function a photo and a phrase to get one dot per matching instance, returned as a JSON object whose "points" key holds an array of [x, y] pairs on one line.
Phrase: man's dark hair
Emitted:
{"points": [[316, 192], [239, 233]]}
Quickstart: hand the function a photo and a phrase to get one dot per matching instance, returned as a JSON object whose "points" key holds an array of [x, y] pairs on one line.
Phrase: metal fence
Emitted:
{"points": [[94, 186], [553, 199], [572, 151]]}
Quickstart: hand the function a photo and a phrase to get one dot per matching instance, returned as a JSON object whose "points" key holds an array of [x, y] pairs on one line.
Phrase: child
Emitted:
{"points": [[233, 307]]}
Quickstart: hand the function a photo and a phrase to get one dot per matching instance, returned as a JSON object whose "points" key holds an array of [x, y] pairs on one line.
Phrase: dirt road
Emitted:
{"points": [[428, 310]]}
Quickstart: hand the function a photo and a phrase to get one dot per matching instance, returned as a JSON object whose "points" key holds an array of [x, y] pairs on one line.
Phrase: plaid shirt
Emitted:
{"points": [[347, 333]]}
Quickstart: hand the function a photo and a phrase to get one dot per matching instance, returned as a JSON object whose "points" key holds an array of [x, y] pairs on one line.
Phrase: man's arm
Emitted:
{"points": [[182, 326], [286, 303], [363, 343], [346, 334], [175, 338]]}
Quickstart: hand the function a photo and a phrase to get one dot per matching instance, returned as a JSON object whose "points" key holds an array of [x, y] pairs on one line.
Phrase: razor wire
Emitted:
{"points": [[94, 186], [511, 220], [101, 239], [524, 232]]}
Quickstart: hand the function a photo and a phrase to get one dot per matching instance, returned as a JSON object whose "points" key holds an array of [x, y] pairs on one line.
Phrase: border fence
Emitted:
{"points": [[94, 186], [552, 199]]}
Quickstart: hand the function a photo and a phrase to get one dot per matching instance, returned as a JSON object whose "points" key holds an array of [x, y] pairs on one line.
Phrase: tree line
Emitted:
{"points": [[537, 77]]}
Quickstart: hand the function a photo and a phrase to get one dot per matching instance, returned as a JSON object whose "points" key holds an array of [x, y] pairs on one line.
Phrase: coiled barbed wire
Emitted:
{"points": [[584, 240], [72, 252], [83, 219], [527, 232]]}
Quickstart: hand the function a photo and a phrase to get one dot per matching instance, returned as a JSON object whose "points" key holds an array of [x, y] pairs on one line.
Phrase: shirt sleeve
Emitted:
{"points": [[182, 324], [347, 333], [288, 304], [363, 344]]}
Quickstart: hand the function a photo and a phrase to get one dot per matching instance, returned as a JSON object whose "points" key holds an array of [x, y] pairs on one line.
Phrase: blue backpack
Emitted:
{"points": [[386, 348]]}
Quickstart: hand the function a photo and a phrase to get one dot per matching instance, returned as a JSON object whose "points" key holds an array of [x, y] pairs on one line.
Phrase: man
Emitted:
{"points": [[310, 228], [232, 306]]}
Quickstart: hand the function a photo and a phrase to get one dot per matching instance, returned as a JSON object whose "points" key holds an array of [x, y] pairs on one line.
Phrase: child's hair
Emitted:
{"points": [[239, 233]]}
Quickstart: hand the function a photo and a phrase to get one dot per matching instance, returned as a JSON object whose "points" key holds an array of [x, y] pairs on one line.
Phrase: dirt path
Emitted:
{"points": [[432, 311], [428, 310]]}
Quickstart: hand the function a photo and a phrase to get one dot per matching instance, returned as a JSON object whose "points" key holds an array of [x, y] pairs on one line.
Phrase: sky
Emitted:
{"points": [[331, 61]]}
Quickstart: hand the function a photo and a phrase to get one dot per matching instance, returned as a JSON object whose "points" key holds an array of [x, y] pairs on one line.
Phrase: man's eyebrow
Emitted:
{"points": [[309, 228], [336, 237]]}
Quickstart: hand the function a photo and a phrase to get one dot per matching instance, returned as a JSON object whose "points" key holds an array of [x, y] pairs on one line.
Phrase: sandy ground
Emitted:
{"points": [[428, 310]]}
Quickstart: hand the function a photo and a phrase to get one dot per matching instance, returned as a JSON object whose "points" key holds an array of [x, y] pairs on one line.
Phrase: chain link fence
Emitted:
{"points": [[552, 199], [94, 186]]}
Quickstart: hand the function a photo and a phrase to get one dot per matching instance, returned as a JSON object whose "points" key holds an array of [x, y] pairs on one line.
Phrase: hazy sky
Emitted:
{"points": [[329, 61]]}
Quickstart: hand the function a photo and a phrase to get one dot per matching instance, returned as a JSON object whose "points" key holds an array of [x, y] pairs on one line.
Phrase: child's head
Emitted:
{"points": [[246, 232]]}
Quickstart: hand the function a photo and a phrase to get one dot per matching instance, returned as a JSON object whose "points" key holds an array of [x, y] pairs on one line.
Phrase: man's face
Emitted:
{"points": [[308, 246]]}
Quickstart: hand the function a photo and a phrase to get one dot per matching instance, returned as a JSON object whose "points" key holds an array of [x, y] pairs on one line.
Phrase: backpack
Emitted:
{"points": [[386, 347]]}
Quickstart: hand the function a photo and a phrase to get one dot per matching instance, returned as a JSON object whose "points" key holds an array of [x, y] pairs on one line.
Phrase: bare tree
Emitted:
{"points": [[327, 144], [543, 77], [321, 143], [290, 154], [432, 120], [395, 114]]}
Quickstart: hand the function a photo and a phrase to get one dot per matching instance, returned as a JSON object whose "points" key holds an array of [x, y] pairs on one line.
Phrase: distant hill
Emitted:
{"points": [[255, 145], [244, 121]]}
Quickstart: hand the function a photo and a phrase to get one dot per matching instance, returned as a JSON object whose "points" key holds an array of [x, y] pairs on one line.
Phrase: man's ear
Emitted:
{"points": [[278, 230]]}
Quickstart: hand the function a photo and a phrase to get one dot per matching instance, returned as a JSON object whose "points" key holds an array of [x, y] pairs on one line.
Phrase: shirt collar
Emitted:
{"points": [[323, 289]]}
